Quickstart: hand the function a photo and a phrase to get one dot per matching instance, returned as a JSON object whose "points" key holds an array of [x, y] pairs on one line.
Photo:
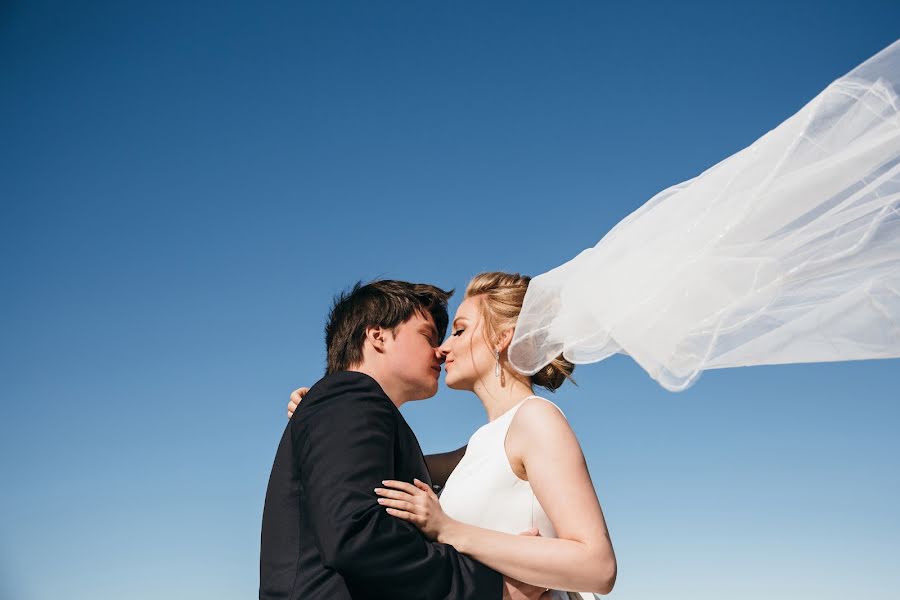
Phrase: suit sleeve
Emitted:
{"points": [[346, 450]]}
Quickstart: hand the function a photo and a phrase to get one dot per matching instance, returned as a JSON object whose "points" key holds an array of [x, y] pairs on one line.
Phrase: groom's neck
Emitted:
{"points": [[386, 383]]}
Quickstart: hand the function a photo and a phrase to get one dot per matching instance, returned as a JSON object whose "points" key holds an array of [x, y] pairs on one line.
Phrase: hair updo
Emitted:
{"points": [[502, 295]]}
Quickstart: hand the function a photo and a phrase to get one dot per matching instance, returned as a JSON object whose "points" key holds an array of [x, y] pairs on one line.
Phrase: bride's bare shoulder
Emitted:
{"points": [[536, 410], [536, 420]]}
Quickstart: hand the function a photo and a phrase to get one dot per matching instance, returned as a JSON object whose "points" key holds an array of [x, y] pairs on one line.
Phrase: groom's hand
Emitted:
{"points": [[516, 590], [296, 397]]}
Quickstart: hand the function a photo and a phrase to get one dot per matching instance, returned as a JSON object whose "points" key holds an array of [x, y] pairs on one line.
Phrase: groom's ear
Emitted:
{"points": [[376, 336]]}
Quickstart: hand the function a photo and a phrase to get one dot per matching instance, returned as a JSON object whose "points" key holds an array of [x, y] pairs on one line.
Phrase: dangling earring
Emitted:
{"points": [[497, 365]]}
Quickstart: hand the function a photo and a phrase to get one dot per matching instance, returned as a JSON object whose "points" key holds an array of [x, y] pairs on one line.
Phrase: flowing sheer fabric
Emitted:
{"points": [[786, 252]]}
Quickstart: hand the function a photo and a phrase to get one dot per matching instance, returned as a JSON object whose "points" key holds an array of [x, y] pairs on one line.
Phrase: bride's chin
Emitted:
{"points": [[453, 384]]}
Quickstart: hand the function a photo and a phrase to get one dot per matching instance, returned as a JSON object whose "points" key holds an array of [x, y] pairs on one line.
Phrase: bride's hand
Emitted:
{"points": [[417, 504], [296, 397]]}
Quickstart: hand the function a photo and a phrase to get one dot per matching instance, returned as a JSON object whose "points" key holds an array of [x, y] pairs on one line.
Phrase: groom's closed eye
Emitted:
{"points": [[432, 335]]}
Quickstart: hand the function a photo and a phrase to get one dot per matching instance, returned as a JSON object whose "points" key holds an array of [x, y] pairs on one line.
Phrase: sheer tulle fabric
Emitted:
{"points": [[786, 252]]}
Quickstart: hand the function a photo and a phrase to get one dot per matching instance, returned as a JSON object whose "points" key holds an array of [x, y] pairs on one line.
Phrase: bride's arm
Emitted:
{"points": [[439, 465], [581, 558]]}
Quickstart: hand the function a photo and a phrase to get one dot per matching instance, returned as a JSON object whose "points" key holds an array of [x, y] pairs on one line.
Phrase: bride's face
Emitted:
{"points": [[468, 356]]}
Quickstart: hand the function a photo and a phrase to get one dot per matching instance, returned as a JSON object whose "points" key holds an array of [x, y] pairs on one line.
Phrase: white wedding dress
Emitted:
{"points": [[483, 490]]}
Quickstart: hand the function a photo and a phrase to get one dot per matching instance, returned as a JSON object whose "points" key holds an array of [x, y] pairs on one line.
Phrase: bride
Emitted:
{"points": [[523, 470]]}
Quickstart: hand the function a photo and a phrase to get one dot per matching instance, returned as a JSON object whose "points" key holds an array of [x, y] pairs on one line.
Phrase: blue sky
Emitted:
{"points": [[185, 185]]}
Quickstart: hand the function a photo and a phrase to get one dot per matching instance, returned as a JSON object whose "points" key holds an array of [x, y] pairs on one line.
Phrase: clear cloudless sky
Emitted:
{"points": [[185, 185]]}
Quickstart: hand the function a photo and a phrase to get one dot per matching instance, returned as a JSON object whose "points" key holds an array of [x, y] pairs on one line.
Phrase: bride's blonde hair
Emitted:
{"points": [[502, 296]]}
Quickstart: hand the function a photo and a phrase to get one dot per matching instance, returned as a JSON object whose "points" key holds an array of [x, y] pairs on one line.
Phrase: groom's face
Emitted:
{"points": [[414, 358]]}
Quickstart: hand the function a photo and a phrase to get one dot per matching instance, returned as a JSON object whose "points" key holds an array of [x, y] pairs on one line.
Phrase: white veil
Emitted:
{"points": [[786, 252]]}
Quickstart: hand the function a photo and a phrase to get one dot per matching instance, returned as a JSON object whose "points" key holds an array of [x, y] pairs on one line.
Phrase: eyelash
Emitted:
{"points": [[458, 332]]}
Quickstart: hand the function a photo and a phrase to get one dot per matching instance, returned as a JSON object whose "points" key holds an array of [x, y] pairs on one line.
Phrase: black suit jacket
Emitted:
{"points": [[323, 533]]}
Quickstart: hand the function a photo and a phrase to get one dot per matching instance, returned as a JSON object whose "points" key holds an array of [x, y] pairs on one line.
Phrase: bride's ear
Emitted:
{"points": [[503, 340]]}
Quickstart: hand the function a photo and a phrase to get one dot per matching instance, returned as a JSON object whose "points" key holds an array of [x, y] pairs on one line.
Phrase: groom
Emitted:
{"points": [[323, 533]]}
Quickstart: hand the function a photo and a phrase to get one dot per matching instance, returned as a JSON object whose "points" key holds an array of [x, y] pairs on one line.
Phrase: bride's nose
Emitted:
{"points": [[444, 349]]}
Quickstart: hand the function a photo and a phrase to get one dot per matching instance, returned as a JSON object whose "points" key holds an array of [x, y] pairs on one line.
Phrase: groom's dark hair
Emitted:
{"points": [[386, 303]]}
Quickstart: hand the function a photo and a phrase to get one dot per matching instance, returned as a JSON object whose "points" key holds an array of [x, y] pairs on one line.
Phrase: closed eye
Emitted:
{"points": [[458, 332]]}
